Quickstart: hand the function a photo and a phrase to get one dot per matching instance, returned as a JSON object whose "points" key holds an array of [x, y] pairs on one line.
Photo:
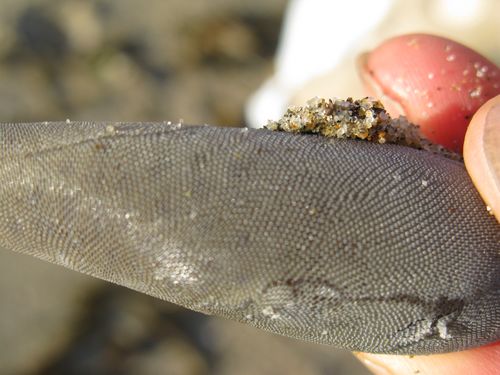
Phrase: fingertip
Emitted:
{"points": [[480, 361], [482, 153], [437, 83]]}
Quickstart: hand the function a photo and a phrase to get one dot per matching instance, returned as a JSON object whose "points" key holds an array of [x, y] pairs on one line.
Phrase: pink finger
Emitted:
{"points": [[437, 83], [481, 361]]}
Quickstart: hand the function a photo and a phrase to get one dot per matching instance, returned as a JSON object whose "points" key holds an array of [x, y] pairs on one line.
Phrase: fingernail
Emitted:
{"points": [[491, 139], [482, 154], [374, 366]]}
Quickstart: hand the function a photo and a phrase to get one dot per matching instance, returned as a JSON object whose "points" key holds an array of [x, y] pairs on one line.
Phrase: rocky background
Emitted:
{"points": [[125, 60]]}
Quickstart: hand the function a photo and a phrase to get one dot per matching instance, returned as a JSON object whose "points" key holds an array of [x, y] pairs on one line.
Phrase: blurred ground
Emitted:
{"points": [[131, 60]]}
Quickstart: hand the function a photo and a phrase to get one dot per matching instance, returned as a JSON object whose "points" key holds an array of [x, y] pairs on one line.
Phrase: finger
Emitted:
{"points": [[482, 153], [437, 83], [481, 361]]}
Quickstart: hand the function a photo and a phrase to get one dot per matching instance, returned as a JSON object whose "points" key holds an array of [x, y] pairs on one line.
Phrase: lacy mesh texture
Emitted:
{"points": [[374, 248]]}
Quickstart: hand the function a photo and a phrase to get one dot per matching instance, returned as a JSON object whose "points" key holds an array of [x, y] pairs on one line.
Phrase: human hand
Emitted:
{"points": [[443, 85]]}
